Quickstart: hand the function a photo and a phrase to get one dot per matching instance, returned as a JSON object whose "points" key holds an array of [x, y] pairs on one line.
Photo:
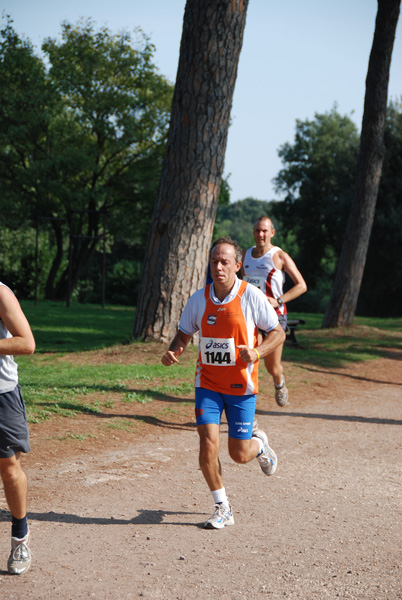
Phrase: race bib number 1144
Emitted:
{"points": [[218, 351]]}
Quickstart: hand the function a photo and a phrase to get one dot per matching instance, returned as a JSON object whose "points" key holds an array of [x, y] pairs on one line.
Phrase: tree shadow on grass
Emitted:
{"points": [[86, 410], [150, 420], [148, 393], [350, 376]]}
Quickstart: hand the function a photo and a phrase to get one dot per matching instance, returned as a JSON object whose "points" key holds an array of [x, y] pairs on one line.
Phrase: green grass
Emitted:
{"points": [[368, 338], [80, 327], [314, 321], [57, 387], [53, 385]]}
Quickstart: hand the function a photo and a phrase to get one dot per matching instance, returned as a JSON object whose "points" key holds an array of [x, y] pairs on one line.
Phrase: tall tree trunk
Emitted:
{"points": [[342, 306], [50, 288], [177, 251], [82, 255], [84, 244]]}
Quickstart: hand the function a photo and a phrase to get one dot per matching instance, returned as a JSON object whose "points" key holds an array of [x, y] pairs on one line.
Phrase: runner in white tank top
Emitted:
{"points": [[265, 265], [262, 272]]}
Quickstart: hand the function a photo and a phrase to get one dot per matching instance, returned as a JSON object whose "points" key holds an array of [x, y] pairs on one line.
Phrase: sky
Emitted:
{"points": [[298, 59]]}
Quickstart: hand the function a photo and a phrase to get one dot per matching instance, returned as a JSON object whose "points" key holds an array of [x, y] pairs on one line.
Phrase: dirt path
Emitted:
{"points": [[123, 520]]}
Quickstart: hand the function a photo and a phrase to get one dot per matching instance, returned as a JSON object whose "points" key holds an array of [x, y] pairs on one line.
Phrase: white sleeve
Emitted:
{"points": [[264, 314], [190, 320]]}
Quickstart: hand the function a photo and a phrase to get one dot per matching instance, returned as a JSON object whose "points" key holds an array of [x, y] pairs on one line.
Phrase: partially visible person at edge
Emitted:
{"points": [[15, 338], [265, 265], [227, 314]]}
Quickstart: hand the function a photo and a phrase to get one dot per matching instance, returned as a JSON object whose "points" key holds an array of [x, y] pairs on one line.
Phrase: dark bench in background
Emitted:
{"points": [[291, 330]]}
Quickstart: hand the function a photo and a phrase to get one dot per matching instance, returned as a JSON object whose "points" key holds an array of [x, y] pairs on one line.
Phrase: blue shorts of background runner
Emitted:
{"points": [[239, 410]]}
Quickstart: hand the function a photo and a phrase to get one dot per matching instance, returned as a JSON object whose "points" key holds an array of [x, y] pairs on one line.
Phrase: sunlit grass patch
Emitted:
{"points": [[81, 437], [136, 397], [338, 347], [183, 388], [123, 424]]}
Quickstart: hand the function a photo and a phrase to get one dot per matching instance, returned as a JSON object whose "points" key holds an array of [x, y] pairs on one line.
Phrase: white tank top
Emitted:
{"points": [[8, 366], [262, 273]]}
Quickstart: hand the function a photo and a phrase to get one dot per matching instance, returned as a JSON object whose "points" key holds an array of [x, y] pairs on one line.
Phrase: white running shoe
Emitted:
{"points": [[255, 426], [19, 560], [267, 459], [222, 516], [281, 393]]}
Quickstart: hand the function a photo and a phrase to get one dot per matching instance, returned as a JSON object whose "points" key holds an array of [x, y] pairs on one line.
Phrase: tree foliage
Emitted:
{"points": [[73, 133], [237, 220], [317, 183], [26, 107], [82, 138]]}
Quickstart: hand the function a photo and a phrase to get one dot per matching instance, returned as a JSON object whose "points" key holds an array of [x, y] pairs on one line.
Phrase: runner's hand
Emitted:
{"points": [[248, 355], [170, 357]]}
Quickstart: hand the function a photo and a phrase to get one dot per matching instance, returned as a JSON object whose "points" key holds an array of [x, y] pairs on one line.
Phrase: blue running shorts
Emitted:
{"points": [[239, 410], [14, 435]]}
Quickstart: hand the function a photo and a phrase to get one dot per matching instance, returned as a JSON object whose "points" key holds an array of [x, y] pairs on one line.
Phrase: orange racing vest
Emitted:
{"points": [[219, 366]]}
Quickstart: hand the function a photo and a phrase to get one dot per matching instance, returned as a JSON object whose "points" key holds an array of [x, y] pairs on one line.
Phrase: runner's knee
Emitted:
{"points": [[10, 471], [239, 451], [209, 448], [239, 456]]}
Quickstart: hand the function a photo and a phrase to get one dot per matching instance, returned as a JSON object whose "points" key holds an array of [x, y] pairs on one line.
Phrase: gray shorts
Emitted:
{"points": [[283, 322], [14, 434]]}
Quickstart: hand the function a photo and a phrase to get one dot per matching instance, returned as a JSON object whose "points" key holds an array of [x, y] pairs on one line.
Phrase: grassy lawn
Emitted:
{"points": [[66, 376], [57, 380], [368, 338], [79, 327]]}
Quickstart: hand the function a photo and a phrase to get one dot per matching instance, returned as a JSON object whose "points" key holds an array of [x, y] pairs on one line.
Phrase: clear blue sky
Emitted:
{"points": [[298, 58]]}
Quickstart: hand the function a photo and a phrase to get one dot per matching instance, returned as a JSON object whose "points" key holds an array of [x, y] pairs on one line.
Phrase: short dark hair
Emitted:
{"points": [[265, 219], [228, 240]]}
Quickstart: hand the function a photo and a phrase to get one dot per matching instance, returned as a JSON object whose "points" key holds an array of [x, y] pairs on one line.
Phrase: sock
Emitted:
{"points": [[220, 497], [19, 527], [259, 440], [281, 383]]}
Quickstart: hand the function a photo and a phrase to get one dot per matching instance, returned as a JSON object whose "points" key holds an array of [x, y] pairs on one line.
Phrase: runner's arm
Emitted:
{"points": [[22, 340], [176, 348], [272, 340], [289, 266]]}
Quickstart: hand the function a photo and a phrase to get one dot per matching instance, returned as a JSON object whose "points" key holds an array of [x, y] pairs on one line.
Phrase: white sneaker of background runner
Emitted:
{"points": [[281, 393], [19, 560]]}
